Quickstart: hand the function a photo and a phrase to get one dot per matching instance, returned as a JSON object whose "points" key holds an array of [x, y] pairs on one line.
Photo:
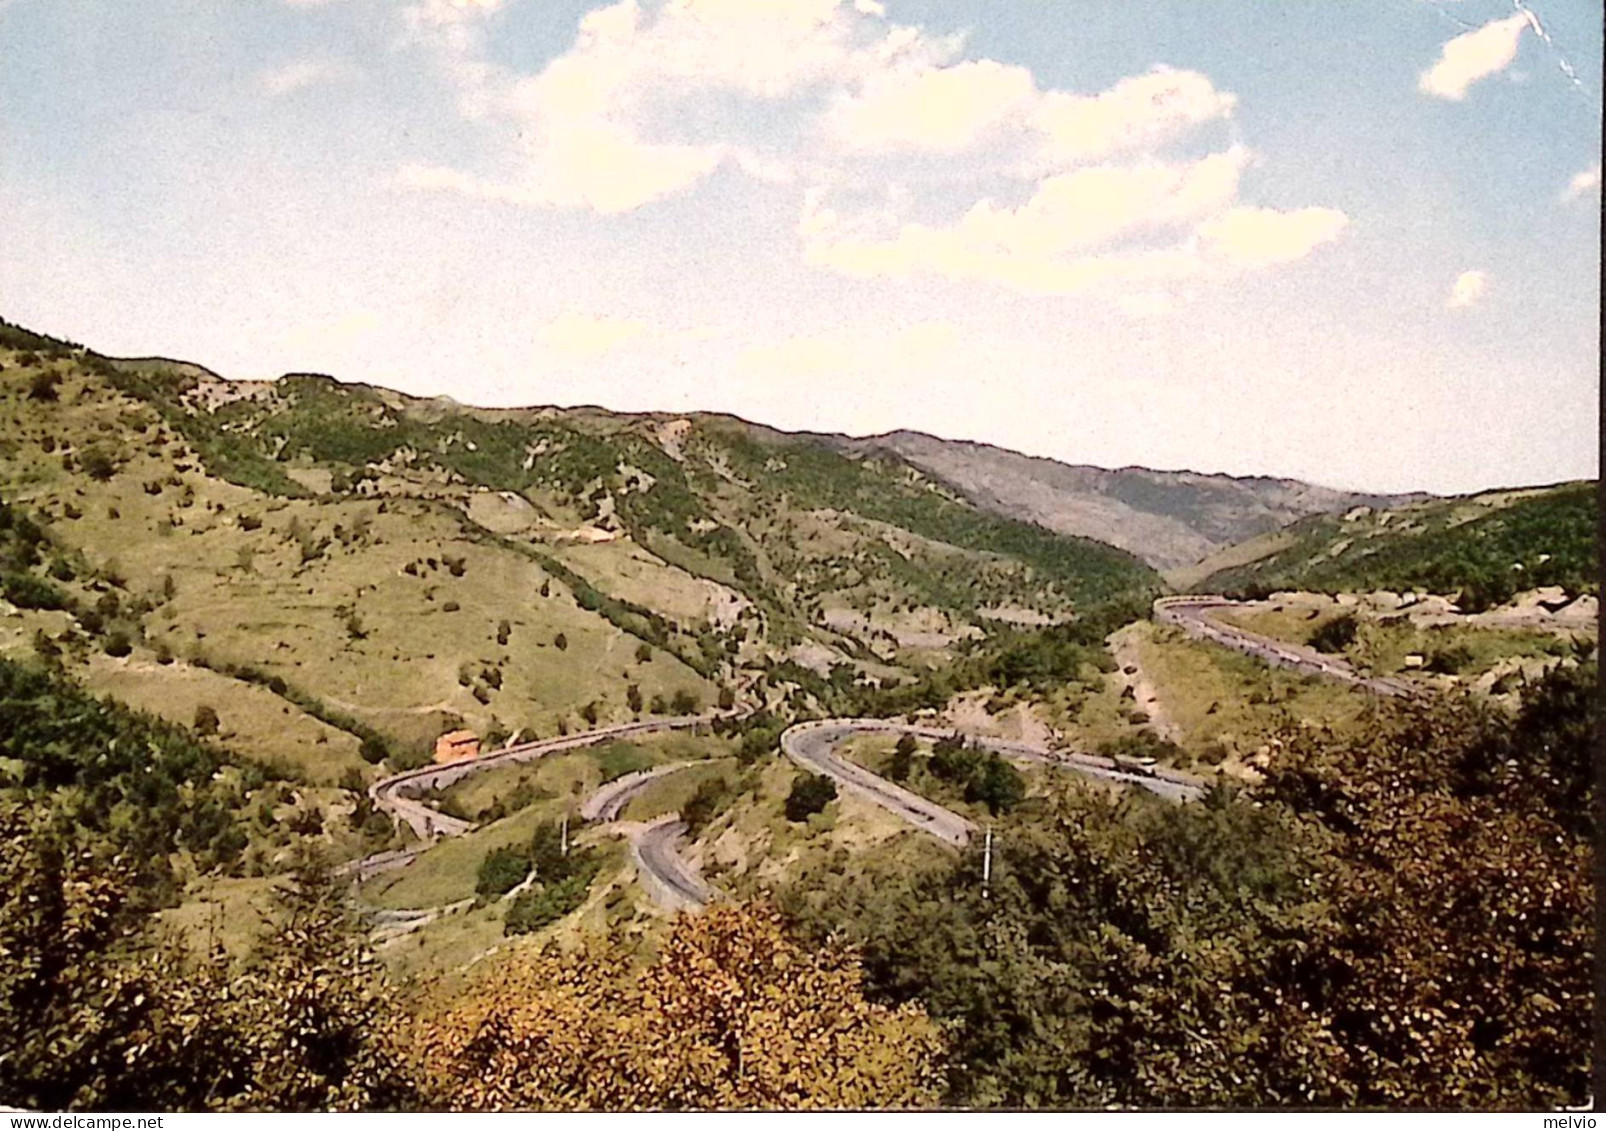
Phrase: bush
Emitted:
{"points": [[705, 804], [1449, 660], [29, 592], [902, 758], [997, 785], [560, 642], [206, 720], [1334, 636], [373, 749], [502, 870], [683, 702], [118, 645], [811, 793], [98, 464], [43, 385]]}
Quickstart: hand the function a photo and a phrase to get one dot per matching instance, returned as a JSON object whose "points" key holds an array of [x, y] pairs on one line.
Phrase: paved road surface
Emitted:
{"points": [[1194, 616], [608, 802], [667, 878], [813, 746], [398, 794]]}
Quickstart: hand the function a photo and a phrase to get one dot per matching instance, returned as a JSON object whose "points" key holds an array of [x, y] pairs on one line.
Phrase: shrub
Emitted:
{"points": [[206, 720], [29, 592], [1334, 636], [811, 793], [98, 464], [43, 385], [502, 870], [902, 758], [560, 642], [997, 785], [1450, 659], [683, 702]]}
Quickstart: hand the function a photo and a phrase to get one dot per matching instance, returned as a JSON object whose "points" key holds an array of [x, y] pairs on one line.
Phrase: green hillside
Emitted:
{"points": [[375, 568], [1486, 548]]}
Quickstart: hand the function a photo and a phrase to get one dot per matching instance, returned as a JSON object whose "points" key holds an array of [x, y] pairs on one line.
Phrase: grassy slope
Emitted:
{"points": [[1488, 546]]}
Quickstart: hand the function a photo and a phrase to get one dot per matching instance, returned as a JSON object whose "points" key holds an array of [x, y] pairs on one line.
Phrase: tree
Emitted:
{"points": [[1334, 636], [98, 464], [902, 758], [727, 699], [996, 784], [43, 386], [205, 722], [501, 870], [730, 1014], [633, 699], [704, 804], [810, 794], [644, 653], [303, 1025], [683, 702]]}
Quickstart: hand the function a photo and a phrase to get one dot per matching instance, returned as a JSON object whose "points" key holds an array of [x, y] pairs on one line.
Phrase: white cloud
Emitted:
{"points": [[1582, 184], [941, 109], [1140, 110], [1468, 288], [912, 160], [1472, 56], [1263, 237], [585, 336], [1148, 223], [302, 74]]}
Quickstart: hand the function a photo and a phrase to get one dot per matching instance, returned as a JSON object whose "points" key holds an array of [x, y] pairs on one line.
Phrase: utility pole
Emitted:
{"points": [[987, 864]]}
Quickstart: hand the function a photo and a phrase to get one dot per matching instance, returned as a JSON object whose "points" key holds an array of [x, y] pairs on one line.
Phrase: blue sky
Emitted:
{"points": [[1354, 242]]}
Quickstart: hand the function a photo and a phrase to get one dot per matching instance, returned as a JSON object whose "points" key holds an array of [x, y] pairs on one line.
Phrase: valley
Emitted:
{"points": [[519, 687]]}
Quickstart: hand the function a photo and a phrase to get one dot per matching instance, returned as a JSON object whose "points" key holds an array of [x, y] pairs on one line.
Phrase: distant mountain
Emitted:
{"points": [[1170, 519]]}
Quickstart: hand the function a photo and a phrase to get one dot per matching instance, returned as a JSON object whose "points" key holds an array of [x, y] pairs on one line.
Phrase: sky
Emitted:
{"points": [[1355, 242]]}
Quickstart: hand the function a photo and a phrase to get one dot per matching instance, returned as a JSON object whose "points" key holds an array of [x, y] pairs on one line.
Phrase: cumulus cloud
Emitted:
{"points": [[1582, 184], [586, 336], [1140, 110], [911, 158], [1262, 237], [939, 109], [302, 74], [1472, 56], [1468, 288]]}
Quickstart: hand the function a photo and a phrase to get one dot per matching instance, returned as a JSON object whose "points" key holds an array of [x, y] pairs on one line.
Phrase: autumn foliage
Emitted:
{"points": [[730, 1014]]}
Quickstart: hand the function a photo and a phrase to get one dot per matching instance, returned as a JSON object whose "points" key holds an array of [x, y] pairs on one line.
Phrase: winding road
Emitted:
{"points": [[1193, 616], [814, 746], [398, 794]]}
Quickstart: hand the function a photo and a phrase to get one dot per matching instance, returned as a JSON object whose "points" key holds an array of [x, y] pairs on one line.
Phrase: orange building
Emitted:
{"points": [[457, 746]]}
